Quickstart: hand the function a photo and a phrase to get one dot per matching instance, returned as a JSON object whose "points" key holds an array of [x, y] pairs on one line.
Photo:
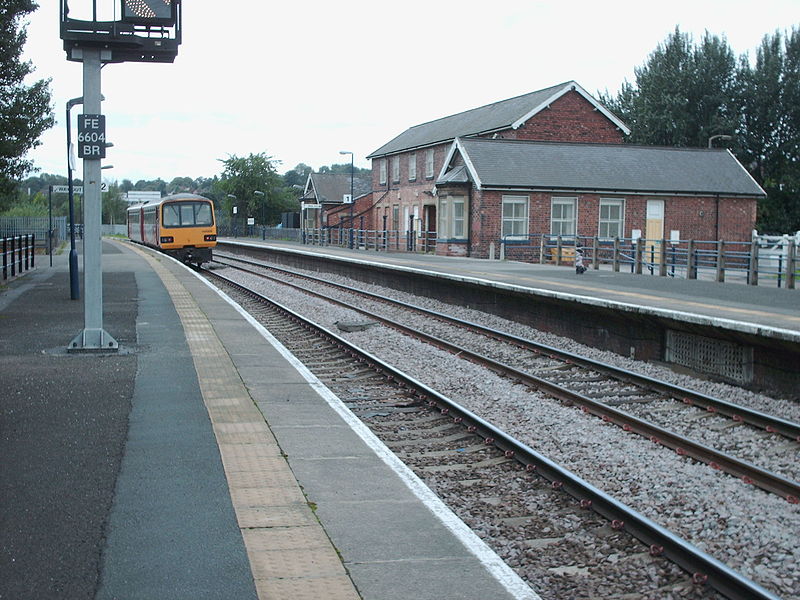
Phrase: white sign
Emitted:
{"points": [[76, 189], [251, 220], [64, 189]]}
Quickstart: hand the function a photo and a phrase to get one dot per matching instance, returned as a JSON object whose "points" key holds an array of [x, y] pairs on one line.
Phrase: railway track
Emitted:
{"points": [[524, 503], [596, 388]]}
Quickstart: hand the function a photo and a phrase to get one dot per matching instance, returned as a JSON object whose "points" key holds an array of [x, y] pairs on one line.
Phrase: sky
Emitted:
{"points": [[302, 81]]}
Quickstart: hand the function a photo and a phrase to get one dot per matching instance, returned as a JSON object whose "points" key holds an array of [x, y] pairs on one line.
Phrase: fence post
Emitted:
{"points": [[558, 251], [5, 258], [13, 255], [791, 264], [595, 252], [615, 258], [541, 250], [691, 266], [638, 255], [752, 271], [720, 261], [662, 259]]}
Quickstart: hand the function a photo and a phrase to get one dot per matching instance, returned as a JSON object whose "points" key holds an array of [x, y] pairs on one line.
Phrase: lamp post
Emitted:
{"points": [[263, 205], [233, 214], [352, 199], [720, 136], [74, 281]]}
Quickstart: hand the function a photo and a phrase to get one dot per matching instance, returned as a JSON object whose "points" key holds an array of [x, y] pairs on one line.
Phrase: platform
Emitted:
{"points": [[200, 461]]}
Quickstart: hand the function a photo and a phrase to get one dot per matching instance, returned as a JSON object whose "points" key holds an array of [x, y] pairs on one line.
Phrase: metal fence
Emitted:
{"points": [[766, 260], [18, 254], [38, 226]]}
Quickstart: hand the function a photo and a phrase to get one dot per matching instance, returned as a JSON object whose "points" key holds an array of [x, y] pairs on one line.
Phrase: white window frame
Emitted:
{"points": [[563, 201], [517, 224], [412, 166], [429, 163], [382, 171], [395, 169], [452, 226], [620, 222]]}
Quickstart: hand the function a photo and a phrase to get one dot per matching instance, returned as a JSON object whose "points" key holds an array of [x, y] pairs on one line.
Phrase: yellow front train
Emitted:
{"points": [[181, 225]]}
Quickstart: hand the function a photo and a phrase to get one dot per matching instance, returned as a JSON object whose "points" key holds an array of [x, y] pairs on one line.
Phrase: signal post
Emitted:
{"points": [[148, 31]]}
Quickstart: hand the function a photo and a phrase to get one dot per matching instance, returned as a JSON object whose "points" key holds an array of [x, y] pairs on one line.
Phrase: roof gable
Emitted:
{"points": [[506, 114], [602, 167], [332, 187]]}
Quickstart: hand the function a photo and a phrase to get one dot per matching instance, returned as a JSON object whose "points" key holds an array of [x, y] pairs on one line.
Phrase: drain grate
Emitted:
{"points": [[730, 361]]}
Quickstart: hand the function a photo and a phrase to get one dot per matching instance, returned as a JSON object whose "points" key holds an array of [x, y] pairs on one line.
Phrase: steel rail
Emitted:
{"points": [[747, 472], [704, 568], [738, 413]]}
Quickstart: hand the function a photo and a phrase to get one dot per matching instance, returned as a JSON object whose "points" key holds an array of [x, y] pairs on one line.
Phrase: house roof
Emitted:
{"points": [[599, 167], [332, 187], [510, 113]]}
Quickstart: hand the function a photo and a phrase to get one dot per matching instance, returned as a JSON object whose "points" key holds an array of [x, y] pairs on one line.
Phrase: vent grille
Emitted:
{"points": [[730, 361]]}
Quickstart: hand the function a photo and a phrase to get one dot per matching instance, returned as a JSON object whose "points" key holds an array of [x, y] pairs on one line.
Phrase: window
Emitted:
{"points": [[562, 216], [515, 216], [429, 163], [452, 213], [412, 166], [187, 214], [612, 213], [382, 171], [396, 217], [395, 169]]}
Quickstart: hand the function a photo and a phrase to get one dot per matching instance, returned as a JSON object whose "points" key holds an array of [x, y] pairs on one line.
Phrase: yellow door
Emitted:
{"points": [[654, 231]]}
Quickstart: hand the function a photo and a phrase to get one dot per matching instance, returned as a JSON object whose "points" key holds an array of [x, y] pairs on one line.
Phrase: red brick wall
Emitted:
{"points": [[571, 118], [694, 217]]}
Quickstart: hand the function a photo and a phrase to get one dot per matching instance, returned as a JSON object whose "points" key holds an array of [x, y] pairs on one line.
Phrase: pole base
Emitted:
{"points": [[93, 340]]}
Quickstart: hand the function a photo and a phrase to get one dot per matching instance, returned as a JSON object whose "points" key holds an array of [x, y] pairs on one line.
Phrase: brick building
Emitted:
{"points": [[326, 199], [429, 178], [509, 189]]}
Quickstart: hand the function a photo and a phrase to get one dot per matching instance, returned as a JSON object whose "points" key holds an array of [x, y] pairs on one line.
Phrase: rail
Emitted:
{"points": [[18, 254], [764, 260]]}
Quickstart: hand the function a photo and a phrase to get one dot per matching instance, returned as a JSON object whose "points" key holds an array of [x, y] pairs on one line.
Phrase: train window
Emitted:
{"points": [[187, 214]]}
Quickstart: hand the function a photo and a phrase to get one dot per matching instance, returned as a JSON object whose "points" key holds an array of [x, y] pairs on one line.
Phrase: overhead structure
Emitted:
{"points": [[145, 31]]}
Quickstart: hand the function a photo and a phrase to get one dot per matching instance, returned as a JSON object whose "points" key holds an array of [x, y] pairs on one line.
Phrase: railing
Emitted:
{"points": [[768, 259], [39, 226], [18, 254], [372, 239]]}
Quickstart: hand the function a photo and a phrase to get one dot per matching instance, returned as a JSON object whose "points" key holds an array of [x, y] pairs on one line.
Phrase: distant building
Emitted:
{"points": [[139, 197], [328, 194]]}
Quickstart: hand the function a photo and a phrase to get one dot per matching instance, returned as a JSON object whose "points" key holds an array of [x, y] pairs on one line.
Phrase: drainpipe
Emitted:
{"points": [[469, 220], [716, 224]]}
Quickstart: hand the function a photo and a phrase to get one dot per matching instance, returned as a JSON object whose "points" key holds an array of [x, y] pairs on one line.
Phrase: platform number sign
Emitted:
{"points": [[91, 136]]}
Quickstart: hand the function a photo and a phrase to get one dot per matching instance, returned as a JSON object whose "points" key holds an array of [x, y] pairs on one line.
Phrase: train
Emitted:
{"points": [[181, 225]]}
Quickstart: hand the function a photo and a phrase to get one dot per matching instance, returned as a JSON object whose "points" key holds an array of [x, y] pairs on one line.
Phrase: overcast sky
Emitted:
{"points": [[303, 80]]}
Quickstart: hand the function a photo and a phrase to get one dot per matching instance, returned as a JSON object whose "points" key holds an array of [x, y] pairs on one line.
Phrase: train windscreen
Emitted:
{"points": [[187, 214]]}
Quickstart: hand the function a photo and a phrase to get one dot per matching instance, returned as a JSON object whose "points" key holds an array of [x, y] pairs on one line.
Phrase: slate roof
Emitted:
{"points": [[331, 187], [602, 167], [501, 115]]}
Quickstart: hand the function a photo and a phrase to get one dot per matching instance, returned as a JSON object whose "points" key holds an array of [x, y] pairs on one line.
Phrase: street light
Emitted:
{"points": [[352, 199], [263, 204], [720, 136]]}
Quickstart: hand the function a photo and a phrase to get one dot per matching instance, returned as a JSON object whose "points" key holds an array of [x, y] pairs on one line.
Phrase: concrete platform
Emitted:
{"points": [[201, 461]]}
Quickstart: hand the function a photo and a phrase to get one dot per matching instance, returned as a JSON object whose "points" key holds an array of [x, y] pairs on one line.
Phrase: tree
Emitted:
{"points": [[242, 177], [25, 111], [683, 94]]}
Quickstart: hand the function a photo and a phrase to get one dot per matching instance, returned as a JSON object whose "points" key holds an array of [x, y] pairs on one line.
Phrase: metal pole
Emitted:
{"points": [[74, 281], [93, 337], [50, 223], [352, 199]]}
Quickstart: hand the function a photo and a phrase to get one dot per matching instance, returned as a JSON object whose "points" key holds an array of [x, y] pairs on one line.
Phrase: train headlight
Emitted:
{"points": [[167, 239], [210, 238]]}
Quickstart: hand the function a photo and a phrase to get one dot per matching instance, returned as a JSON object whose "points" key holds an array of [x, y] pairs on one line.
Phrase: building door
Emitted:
{"points": [[654, 230]]}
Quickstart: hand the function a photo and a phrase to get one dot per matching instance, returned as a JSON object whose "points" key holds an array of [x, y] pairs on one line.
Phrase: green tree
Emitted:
{"points": [[25, 111], [683, 94], [242, 177], [114, 205]]}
